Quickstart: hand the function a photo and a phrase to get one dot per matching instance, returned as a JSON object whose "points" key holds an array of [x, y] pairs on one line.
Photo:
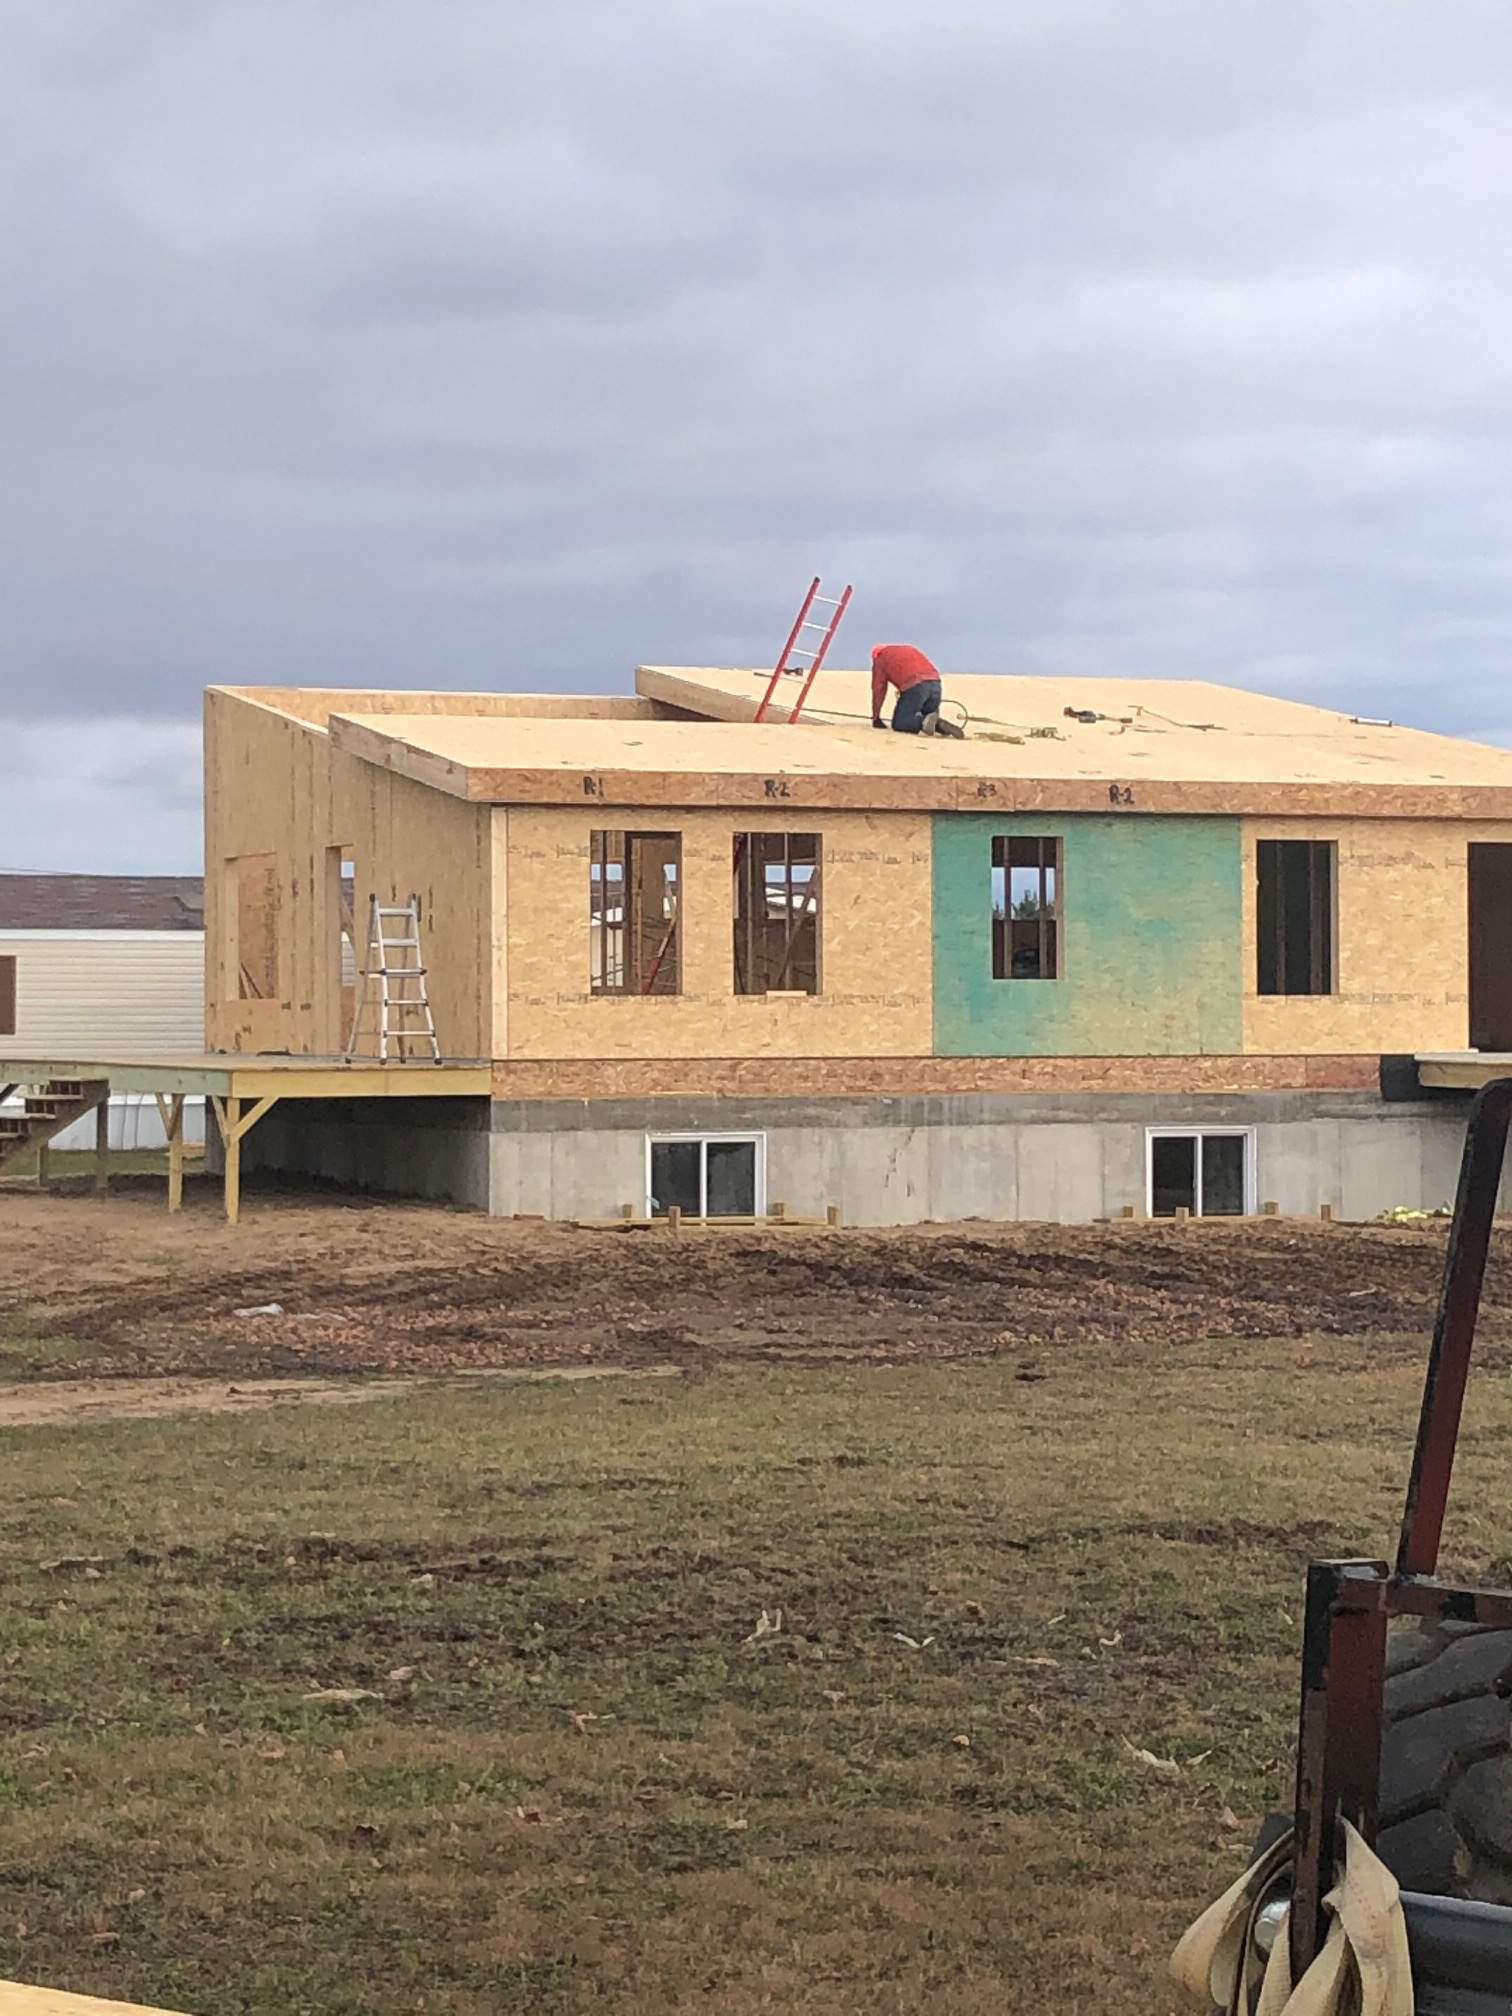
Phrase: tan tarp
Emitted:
{"points": [[18, 2000]]}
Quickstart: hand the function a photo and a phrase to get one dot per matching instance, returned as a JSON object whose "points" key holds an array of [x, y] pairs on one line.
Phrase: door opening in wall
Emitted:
{"points": [[252, 905], [341, 919], [1490, 926], [706, 1175], [1209, 1172]]}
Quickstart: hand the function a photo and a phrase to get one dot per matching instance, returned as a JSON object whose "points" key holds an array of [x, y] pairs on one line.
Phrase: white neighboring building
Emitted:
{"points": [[106, 966]]}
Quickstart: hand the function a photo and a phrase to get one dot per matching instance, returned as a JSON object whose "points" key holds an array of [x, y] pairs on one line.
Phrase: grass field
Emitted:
{"points": [[582, 1775]]}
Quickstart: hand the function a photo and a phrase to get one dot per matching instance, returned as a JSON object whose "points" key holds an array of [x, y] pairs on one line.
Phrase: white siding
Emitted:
{"points": [[107, 994]]}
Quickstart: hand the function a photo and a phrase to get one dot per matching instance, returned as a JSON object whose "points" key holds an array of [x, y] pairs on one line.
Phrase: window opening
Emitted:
{"points": [[1205, 1173], [633, 891], [706, 1176], [254, 898], [1294, 918], [777, 911], [1025, 909], [7, 994]]}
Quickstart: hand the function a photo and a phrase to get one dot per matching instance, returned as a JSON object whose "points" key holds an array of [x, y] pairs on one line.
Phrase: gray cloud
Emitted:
{"points": [[488, 344]]}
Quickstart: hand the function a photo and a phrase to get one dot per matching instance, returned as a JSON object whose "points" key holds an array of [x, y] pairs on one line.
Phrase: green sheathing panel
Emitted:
{"points": [[1152, 940]]}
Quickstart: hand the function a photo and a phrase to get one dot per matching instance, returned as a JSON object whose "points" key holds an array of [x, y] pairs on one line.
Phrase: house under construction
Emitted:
{"points": [[1145, 946]]}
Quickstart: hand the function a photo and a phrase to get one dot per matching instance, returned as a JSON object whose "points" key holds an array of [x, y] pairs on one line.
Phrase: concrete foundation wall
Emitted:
{"points": [[1067, 1158]]}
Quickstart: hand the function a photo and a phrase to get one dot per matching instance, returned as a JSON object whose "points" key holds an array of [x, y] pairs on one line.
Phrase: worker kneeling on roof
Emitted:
{"points": [[916, 711]]}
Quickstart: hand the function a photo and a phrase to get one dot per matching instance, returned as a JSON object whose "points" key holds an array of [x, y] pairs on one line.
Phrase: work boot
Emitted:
{"points": [[950, 728], [930, 724]]}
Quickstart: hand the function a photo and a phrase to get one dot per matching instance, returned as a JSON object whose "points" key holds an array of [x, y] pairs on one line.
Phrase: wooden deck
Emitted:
{"points": [[1462, 1070], [241, 1087]]}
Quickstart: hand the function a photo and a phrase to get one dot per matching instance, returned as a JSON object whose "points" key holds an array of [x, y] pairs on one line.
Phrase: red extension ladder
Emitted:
{"points": [[814, 655]]}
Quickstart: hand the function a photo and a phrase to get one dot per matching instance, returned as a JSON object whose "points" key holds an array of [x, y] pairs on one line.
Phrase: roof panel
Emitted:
{"points": [[1166, 745]]}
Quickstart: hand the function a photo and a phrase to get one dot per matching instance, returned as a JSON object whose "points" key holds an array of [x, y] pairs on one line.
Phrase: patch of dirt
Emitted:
{"points": [[384, 1288]]}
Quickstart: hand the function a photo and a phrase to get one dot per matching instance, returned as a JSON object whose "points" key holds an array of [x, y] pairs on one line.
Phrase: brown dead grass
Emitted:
{"points": [[579, 1786]]}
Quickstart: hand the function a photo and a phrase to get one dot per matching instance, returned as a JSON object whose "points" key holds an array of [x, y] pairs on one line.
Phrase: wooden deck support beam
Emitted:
{"points": [[234, 1123], [170, 1107], [102, 1145]]}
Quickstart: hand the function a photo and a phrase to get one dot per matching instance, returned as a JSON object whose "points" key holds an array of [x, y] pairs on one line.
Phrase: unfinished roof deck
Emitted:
{"points": [[690, 739]]}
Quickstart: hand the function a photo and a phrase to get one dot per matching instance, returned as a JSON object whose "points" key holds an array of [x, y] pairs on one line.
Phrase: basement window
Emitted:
{"points": [[1208, 1173], [7, 994], [634, 880], [777, 897], [1025, 909], [706, 1175], [1294, 916], [254, 916]]}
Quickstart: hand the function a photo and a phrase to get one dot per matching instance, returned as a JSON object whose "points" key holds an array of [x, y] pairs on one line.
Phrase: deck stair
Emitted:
{"points": [[46, 1111]]}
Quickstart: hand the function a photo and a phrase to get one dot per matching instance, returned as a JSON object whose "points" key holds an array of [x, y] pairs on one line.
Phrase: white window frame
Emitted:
{"points": [[758, 1141], [1200, 1134]]}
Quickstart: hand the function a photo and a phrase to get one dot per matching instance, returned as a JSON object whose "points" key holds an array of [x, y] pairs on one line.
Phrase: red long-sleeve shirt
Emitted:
{"points": [[900, 665]]}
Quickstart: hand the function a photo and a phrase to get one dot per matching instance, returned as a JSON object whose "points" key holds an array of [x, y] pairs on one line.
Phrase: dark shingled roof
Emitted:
{"points": [[102, 903]]}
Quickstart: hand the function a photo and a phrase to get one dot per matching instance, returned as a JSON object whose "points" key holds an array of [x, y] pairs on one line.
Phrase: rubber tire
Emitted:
{"points": [[1446, 1761]]}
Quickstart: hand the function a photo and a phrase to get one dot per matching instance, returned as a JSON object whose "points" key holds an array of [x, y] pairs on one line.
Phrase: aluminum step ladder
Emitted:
{"points": [[811, 654], [394, 1006]]}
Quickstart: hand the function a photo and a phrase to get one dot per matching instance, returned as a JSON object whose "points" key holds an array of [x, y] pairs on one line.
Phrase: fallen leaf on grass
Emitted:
{"points": [[961, 1742], [401, 1672], [1109, 1643], [1228, 1818], [766, 1627], [343, 1697], [1166, 1766], [834, 1696], [913, 1644]]}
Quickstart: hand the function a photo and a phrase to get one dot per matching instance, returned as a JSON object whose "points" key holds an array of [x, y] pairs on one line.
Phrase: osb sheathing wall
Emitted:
{"points": [[1401, 939], [273, 785], [874, 935]]}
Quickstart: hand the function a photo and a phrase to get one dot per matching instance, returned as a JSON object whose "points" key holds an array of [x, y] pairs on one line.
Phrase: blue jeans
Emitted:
{"points": [[913, 703]]}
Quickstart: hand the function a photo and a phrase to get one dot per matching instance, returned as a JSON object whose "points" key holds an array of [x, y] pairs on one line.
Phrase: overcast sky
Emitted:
{"points": [[488, 343]]}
